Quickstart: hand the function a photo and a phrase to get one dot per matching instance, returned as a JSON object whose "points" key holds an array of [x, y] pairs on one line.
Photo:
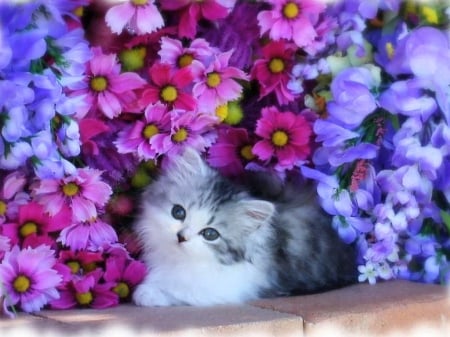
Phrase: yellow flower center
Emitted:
{"points": [[84, 298], [3, 207], [79, 11], [180, 136], [122, 290], [213, 80], [21, 284], [291, 10], [139, 2], [389, 49], [28, 228], [222, 112], [99, 83], [70, 189], [280, 138], [88, 267], [430, 14], [169, 94], [246, 152], [185, 60], [276, 65], [133, 59], [149, 131], [74, 266]]}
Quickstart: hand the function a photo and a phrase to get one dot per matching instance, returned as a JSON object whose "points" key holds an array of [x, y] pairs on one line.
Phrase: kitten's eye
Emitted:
{"points": [[209, 234], [178, 212]]}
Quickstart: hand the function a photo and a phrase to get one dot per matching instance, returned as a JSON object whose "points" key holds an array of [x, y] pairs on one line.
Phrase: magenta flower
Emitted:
{"points": [[193, 11], [170, 87], [231, 152], [12, 195], [106, 88], [292, 20], [274, 69], [126, 274], [80, 262], [146, 137], [173, 52], [29, 278], [82, 193], [91, 235], [218, 83], [189, 129], [286, 138], [139, 16], [34, 221], [87, 291]]}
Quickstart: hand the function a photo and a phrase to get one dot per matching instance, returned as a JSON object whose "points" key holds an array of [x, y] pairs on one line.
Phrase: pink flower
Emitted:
{"points": [[286, 138], [12, 195], [292, 20], [142, 17], [80, 262], [82, 193], [125, 274], [87, 291], [91, 235], [178, 56], [189, 129], [273, 70], [232, 150], [106, 88], [193, 11], [34, 221], [145, 137], [29, 278], [169, 86], [218, 83]]}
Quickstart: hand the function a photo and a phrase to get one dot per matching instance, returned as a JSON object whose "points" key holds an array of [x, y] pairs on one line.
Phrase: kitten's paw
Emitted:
{"points": [[149, 296]]}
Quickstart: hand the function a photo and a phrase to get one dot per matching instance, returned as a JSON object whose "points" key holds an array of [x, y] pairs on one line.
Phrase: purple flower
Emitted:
{"points": [[29, 277], [350, 227], [352, 98]]}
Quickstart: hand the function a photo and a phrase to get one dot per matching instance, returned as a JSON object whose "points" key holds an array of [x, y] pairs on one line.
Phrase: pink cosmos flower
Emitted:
{"points": [[231, 152], [178, 56], [106, 88], [12, 195], [80, 262], [87, 291], [292, 20], [189, 129], [218, 83], [273, 70], [285, 137], [193, 11], [126, 274], [82, 193], [141, 16], [29, 278], [34, 221], [146, 137], [90, 235], [170, 87]]}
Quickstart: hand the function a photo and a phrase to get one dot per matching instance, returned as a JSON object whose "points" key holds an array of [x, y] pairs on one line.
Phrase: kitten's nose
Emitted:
{"points": [[181, 237]]}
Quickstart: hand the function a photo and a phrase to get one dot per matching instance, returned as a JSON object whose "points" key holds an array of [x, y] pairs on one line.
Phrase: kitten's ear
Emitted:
{"points": [[259, 211], [191, 161]]}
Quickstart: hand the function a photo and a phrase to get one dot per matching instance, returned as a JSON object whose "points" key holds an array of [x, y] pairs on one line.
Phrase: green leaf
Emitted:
{"points": [[446, 218]]}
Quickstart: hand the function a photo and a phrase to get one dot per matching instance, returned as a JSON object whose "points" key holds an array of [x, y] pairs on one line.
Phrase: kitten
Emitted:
{"points": [[209, 241]]}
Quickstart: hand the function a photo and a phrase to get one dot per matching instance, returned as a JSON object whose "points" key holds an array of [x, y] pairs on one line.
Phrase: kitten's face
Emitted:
{"points": [[193, 212]]}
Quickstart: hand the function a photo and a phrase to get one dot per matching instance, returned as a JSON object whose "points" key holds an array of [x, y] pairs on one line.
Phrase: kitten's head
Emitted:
{"points": [[191, 212]]}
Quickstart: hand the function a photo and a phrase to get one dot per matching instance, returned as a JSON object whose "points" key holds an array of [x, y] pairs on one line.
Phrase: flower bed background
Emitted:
{"points": [[95, 95]]}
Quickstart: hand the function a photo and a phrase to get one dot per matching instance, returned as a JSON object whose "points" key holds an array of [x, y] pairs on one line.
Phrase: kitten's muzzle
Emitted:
{"points": [[181, 237]]}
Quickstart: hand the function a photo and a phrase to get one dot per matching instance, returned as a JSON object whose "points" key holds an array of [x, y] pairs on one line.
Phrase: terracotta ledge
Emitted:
{"points": [[393, 308]]}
